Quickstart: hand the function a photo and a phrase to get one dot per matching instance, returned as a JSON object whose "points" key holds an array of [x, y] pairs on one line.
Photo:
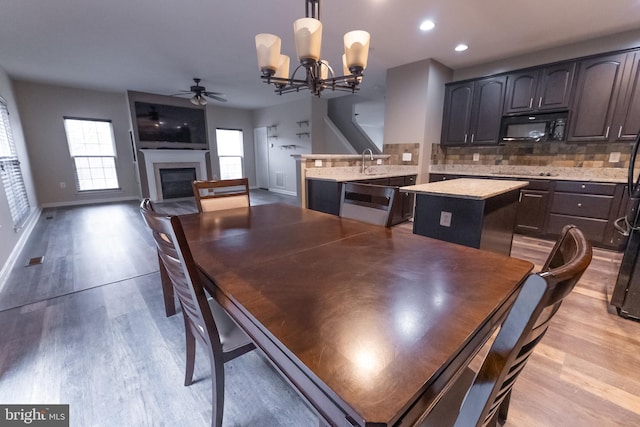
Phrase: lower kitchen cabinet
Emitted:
{"points": [[324, 196], [546, 206]]}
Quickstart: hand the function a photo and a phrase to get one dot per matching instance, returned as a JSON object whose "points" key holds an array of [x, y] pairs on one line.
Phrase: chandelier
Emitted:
{"points": [[313, 73]]}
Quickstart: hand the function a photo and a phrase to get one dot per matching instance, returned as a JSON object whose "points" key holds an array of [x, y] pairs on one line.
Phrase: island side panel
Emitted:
{"points": [[465, 227], [500, 214]]}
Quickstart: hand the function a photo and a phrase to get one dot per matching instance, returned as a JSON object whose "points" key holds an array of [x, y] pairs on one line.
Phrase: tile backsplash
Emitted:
{"points": [[396, 151], [554, 154]]}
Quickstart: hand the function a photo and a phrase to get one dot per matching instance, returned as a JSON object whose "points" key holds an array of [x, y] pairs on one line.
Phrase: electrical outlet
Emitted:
{"points": [[406, 157], [318, 163], [445, 219], [614, 157], [63, 185], [378, 161], [476, 157]]}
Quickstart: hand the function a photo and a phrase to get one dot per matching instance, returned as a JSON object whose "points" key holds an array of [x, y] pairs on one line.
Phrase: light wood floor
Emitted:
{"points": [[87, 328]]}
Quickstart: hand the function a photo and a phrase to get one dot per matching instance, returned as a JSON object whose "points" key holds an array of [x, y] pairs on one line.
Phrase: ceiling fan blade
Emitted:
{"points": [[209, 93], [216, 97], [182, 92]]}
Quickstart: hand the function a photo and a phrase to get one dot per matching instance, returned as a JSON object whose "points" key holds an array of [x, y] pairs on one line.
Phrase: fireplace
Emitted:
{"points": [[177, 168], [176, 182]]}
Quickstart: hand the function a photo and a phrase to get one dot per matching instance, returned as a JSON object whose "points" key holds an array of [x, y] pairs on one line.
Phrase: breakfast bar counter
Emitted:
{"points": [[479, 213]]}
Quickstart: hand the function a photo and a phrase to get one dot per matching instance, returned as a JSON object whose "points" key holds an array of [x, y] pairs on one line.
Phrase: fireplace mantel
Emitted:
{"points": [[156, 159]]}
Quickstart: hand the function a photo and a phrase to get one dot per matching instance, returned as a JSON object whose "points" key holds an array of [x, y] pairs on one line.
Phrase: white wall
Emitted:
{"points": [[285, 118], [10, 238], [42, 108]]}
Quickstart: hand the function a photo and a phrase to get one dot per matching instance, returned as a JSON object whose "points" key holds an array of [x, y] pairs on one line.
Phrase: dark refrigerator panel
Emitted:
{"points": [[626, 293]]}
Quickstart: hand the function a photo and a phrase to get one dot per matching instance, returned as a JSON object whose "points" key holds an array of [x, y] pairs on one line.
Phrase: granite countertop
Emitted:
{"points": [[467, 188], [354, 173], [612, 175]]}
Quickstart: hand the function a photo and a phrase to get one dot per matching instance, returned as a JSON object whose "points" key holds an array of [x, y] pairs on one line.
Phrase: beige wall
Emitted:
{"points": [[285, 118], [626, 40], [43, 108], [413, 108]]}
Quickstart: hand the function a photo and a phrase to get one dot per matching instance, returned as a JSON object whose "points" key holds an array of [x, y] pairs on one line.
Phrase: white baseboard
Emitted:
{"points": [[89, 202], [287, 192], [29, 225]]}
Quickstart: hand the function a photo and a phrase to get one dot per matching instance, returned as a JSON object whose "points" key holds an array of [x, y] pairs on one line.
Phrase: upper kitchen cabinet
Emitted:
{"points": [[600, 86], [472, 112], [540, 89], [626, 121]]}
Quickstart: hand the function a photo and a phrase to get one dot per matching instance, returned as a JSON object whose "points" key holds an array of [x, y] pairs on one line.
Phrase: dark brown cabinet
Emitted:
{"points": [[626, 122], [472, 112], [540, 89], [546, 205], [598, 90], [532, 208]]}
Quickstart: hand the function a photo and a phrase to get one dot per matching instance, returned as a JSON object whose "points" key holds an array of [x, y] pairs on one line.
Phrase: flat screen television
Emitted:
{"points": [[169, 126]]}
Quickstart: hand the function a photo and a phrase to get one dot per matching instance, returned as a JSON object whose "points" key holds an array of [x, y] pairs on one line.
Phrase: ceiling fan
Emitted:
{"points": [[200, 94]]}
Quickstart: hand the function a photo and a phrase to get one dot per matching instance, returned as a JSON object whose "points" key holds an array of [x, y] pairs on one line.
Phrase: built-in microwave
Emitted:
{"points": [[533, 127]]}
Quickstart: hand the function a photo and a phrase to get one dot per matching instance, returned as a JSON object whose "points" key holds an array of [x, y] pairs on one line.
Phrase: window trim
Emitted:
{"points": [[74, 157]]}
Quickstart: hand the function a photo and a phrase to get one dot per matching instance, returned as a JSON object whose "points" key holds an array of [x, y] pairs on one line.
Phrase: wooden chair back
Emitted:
{"points": [[367, 203], [180, 267], [523, 327], [204, 319], [221, 194]]}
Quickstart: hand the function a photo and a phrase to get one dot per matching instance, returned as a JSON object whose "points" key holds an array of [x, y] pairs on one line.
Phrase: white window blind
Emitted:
{"points": [[92, 147], [10, 171], [230, 153]]}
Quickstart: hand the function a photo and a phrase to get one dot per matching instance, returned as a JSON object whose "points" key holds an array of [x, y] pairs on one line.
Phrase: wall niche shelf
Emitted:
{"points": [[301, 134], [303, 122]]}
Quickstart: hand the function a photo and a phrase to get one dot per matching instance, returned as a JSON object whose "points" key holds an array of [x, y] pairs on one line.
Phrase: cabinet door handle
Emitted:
{"points": [[579, 205], [465, 138], [530, 103], [540, 102], [472, 136], [606, 134], [584, 186], [620, 132]]}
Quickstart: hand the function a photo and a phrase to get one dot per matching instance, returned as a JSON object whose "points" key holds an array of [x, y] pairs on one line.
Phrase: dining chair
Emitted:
{"points": [[482, 399], [367, 203], [204, 319], [221, 194]]}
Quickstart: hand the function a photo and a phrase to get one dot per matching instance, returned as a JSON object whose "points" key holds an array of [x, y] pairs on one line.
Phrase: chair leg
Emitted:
{"points": [[217, 391], [190, 341], [503, 410]]}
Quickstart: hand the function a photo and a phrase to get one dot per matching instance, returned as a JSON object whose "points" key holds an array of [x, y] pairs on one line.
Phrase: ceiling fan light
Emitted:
{"points": [[356, 49], [308, 36], [198, 100], [268, 50]]}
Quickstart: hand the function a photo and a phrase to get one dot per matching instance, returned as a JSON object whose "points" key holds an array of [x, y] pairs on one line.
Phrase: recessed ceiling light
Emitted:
{"points": [[461, 47], [427, 25]]}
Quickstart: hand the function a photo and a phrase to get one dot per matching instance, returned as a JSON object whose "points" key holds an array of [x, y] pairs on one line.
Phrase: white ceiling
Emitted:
{"points": [[159, 46]]}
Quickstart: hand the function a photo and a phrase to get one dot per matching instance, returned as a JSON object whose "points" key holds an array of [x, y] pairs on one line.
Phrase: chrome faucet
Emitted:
{"points": [[363, 158]]}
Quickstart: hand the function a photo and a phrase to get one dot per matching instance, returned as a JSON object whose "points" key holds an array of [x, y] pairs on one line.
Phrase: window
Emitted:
{"points": [[230, 153], [92, 148], [10, 172]]}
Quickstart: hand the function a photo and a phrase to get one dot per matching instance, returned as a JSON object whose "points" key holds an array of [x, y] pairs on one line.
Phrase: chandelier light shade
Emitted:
{"points": [[315, 73], [308, 36], [268, 48], [356, 48]]}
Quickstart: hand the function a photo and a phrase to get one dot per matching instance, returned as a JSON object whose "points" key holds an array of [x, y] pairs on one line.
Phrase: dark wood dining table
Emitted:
{"points": [[370, 324]]}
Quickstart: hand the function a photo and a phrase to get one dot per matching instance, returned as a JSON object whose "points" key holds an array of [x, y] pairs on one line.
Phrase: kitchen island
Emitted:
{"points": [[479, 213]]}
